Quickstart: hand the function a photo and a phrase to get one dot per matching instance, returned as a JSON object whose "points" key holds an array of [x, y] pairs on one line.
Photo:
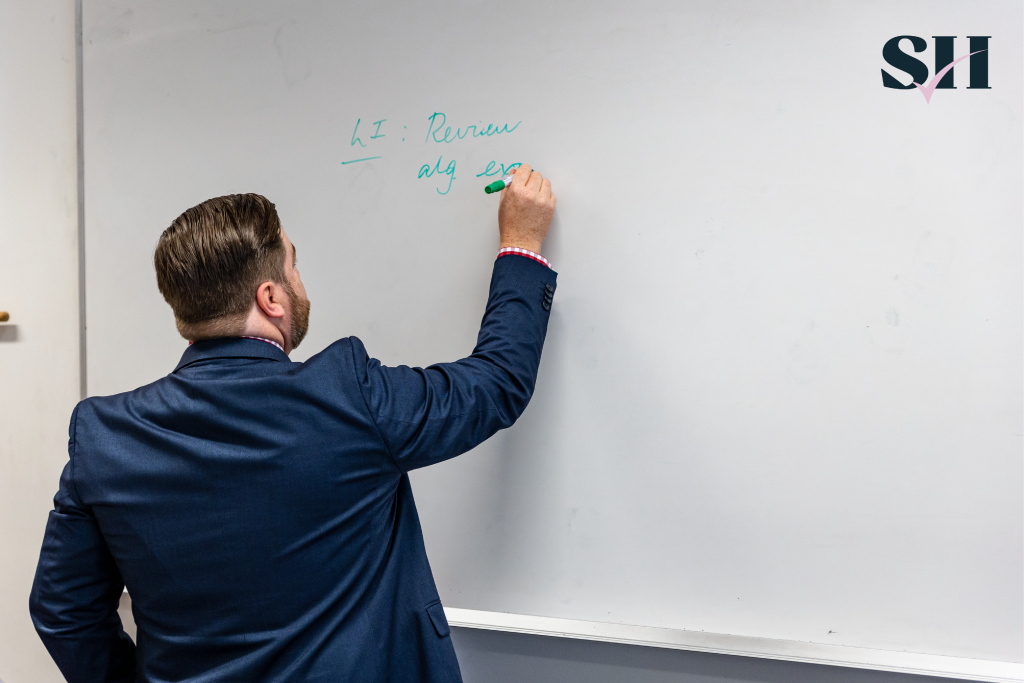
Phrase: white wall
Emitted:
{"points": [[39, 382]]}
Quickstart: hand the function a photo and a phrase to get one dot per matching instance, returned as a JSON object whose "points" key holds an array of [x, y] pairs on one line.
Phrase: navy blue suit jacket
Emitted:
{"points": [[259, 510]]}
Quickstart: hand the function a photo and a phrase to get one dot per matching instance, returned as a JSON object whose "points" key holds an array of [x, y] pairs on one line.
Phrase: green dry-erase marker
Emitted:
{"points": [[499, 185]]}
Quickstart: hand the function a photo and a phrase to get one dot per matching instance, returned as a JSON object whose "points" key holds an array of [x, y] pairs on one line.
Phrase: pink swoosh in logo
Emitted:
{"points": [[927, 90]]}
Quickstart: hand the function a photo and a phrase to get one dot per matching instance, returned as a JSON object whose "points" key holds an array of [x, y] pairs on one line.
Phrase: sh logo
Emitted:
{"points": [[944, 63]]}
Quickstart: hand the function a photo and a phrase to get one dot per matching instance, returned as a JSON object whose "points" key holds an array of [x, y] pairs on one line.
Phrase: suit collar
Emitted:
{"points": [[230, 347]]}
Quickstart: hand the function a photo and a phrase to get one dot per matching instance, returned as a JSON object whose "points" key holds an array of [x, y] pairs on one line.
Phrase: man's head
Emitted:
{"points": [[227, 268]]}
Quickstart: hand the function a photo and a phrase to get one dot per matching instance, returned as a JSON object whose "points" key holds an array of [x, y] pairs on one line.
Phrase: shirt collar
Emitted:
{"points": [[231, 347], [269, 341]]}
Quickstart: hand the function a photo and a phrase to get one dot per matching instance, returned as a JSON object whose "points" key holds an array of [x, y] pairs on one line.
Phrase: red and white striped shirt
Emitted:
{"points": [[269, 341], [524, 252]]}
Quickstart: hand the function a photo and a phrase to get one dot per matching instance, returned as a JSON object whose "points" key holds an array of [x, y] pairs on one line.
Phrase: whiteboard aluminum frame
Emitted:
{"points": [[742, 646]]}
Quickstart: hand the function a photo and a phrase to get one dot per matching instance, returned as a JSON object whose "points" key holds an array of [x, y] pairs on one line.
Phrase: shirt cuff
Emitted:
{"points": [[524, 252]]}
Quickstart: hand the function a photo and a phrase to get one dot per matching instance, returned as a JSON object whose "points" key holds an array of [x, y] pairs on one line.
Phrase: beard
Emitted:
{"points": [[300, 316]]}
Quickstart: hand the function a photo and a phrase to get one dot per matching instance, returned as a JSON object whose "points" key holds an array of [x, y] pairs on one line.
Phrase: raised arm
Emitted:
{"points": [[426, 415]]}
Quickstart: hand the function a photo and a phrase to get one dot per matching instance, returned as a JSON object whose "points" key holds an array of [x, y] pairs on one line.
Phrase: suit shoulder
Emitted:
{"points": [[99, 404], [348, 352]]}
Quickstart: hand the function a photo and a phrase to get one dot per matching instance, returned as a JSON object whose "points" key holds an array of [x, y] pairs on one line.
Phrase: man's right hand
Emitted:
{"points": [[526, 209]]}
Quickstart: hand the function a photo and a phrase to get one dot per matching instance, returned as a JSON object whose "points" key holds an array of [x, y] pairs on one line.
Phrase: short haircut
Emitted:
{"points": [[213, 257]]}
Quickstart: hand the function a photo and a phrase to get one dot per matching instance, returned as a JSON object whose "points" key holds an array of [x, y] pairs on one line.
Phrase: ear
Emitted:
{"points": [[270, 298]]}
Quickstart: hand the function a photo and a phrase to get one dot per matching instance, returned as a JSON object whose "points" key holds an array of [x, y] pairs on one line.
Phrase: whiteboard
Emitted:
{"points": [[781, 395]]}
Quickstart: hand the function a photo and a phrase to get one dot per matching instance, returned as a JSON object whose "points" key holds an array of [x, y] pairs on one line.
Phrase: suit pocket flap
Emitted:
{"points": [[436, 614]]}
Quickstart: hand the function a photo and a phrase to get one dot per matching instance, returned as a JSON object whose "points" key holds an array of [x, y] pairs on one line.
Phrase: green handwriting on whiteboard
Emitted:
{"points": [[353, 161], [496, 168], [370, 140], [426, 172], [436, 126]]}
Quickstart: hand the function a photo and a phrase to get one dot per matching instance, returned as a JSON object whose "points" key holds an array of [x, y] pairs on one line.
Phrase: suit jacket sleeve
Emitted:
{"points": [[426, 415], [76, 592]]}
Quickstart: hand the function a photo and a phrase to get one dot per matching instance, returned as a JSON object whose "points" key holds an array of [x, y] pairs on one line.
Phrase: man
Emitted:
{"points": [[258, 510]]}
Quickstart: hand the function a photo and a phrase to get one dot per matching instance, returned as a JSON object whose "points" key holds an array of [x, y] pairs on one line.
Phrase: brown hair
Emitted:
{"points": [[212, 258]]}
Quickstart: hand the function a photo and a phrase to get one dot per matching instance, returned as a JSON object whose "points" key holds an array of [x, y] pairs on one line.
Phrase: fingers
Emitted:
{"points": [[516, 178], [522, 174], [545, 190], [534, 182], [531, 180]]}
